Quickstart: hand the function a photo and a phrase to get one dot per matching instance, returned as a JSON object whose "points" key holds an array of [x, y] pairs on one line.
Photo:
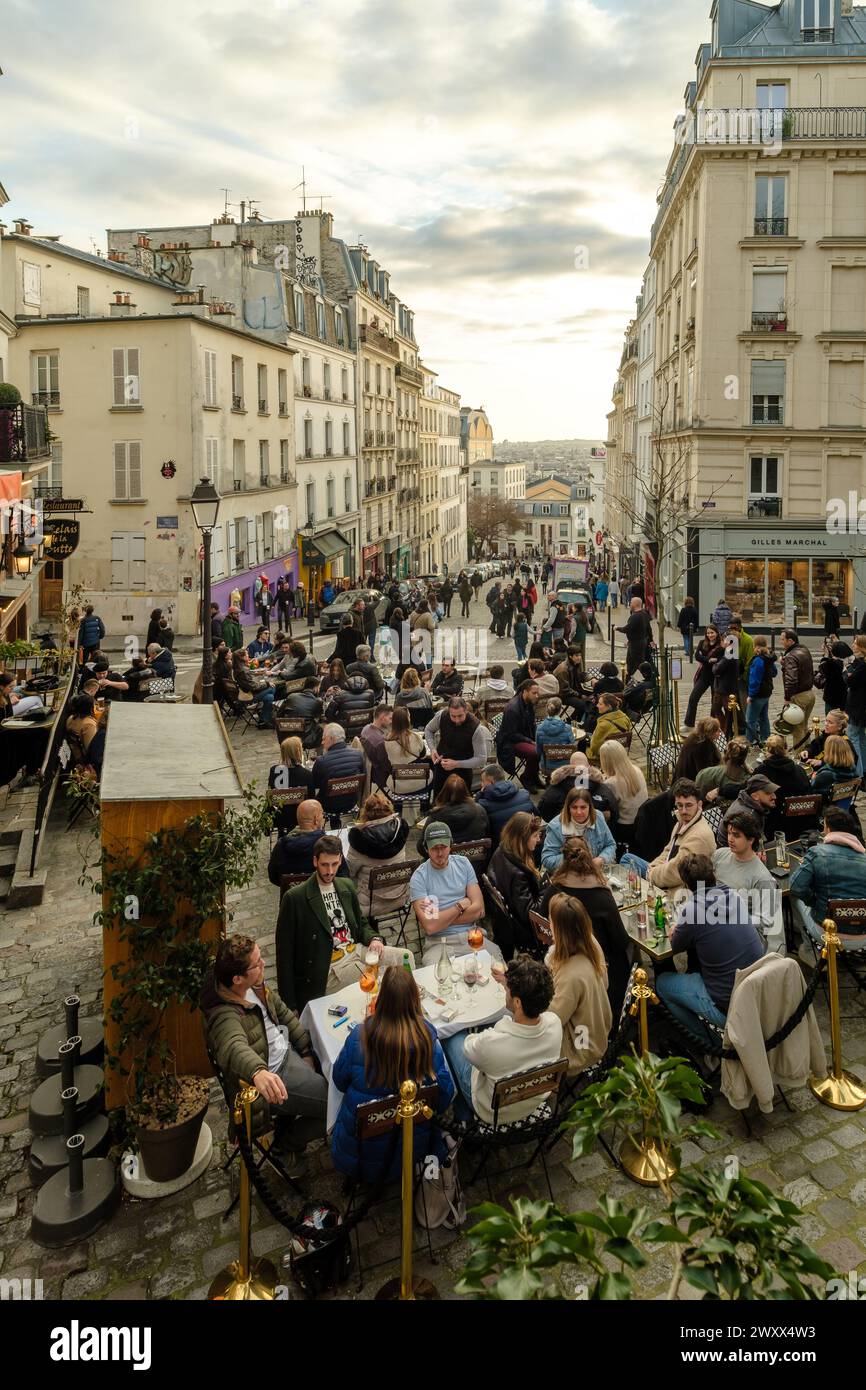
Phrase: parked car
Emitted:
{"points": [[332, 617], [567, 595]]}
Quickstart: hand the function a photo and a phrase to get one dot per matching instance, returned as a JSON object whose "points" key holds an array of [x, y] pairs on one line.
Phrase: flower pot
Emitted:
{"points": [[167, 1153]]}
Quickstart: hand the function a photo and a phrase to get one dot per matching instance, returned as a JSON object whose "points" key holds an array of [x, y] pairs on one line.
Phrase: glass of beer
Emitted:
{"points": [[371, 965]]}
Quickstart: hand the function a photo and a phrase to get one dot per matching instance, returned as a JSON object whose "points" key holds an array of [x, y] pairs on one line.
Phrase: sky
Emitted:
{"points": [[501, 160]]}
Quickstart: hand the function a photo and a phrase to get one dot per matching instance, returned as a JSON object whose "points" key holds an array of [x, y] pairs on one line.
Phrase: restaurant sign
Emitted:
{"points": [[64, 539], [63, 504]]}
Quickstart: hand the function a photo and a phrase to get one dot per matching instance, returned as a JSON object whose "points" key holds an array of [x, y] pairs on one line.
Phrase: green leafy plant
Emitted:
{"points": [[787, 125], [11, 653], [158, 900], [9, 394], [734, 1238]]}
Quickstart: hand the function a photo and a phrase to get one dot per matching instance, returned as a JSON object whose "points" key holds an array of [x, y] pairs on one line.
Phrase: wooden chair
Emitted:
{"points": [[288, 881], [849, 914], [556, 753], [493, 706], [799, 807], [476, 851], [295, 686], [393, 876], [287, 725], [845, 791], [543, 934], [355, 721], [403, 776], [543, 1082], [280, 797], [339, 789]]}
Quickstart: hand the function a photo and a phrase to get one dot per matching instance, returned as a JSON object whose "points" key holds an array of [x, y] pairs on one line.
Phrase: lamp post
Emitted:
{"points": [[312, 575], [205, 504]]}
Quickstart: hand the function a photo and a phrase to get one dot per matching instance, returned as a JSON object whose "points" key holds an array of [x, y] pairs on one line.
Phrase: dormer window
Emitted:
{"points": [[817, 21]]}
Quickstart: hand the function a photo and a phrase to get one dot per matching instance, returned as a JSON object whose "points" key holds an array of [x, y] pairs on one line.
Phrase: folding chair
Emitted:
{"points": [[714, 815], [476, 851], [241, 706], [557, 754], [288, 881], [338, 788], [355, 721], [849, 914], [542, 1082], [845, 792], [511, 930], [411, 773], [393, 876], [160, 685], [494, 706], [288, 725], [373, 1120], [543, 935], [645, 715], [660, 763], [278, 798], [807, 808]]}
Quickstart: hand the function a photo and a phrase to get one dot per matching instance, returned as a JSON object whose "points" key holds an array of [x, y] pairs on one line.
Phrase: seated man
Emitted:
{"points": [[515, 737], [136, 679], [260, 687], [293, 852], [739, 867], [295, 663], [446, 897], [355, 698], [262, 646], [496, 685], [448, 681], [318, 929], [836, 868], [337, 760], [112, 686], [500, 799], [373, 736], [715, 923], [690, 834], [256, 1038], [527, 1036], [365, 666], [756, 797], [161, 661]]}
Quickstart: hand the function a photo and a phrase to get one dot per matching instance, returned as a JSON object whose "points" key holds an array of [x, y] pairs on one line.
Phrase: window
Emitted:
{"points": [[308, 439], [212, 460], [347, 442], [83, 301], [326, 380], [331, 495], [768, 393], [378, 378], [329, 438], [545, 509], [306, 378], [267, 535], [284, 460], [239, 466], [388, 377], [45, 375], [476, 477], [210, 386], [848, 299], [849, 204], [264, 463], [817, 21], [300, 323], [126, 383], [310, 491], [768, 298], [771, 96], [344, 384], [845, 395], [765, 489], [563, 530], [347, 492], [771, 200], [282, 391], [127, 560], [320, 320], [237, 383], [127, 470], [31, 283], [338, 326], [262, 379]]}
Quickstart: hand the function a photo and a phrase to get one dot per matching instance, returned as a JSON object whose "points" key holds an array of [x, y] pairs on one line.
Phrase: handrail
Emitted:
{"points": [[50, 768]]}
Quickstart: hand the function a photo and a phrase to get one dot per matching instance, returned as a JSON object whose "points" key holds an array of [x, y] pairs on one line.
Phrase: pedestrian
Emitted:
{"points": [[687, 621], [492, 601], [601, 593], [521, 636], [300, 599], [265, 600], [638, 634], [91, 632], [153, 627], [721, 618], [446, 594], [613, 592], [855, 702], [216, 625], [476, 581], [707, 653], [761, 674], [832, 619], [745, 648], [231, 630], [465, 592], [579, 632], [284, 598]]}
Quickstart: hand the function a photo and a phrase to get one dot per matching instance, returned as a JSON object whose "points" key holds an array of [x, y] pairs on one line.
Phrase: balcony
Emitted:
{"points": [[237, 401], [381, 485], [392, 482], [401, 455], [392, 438], [771, 226], [47, 398], [308, 392], [284, 475], [308, 451], [768, 414], [284, 409], [327, 393], [369, 487], [329, 450], [368, 438], [374, 338], [24, 433], [380, 436], [264, 480], [409, 374], [769, 322], [263, 406], [760, 507], [237, 484]]}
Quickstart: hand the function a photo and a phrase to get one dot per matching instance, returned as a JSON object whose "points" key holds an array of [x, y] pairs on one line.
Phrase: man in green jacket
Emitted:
{"points": [[746, 648], [232, 632], [255, 1038], [319, 929]]}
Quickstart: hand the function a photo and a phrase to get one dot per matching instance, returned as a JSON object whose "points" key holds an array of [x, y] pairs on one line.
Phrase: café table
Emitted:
{"points": [[656, 948], [483, 1007], [796, 851]]}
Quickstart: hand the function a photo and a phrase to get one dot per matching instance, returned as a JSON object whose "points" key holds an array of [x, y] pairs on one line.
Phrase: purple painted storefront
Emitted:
{"points": [[222, 589]]}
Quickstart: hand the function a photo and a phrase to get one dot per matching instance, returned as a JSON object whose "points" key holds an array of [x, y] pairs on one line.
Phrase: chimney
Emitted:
{"points": [[143, 241], [121, 308], [22, 226]]}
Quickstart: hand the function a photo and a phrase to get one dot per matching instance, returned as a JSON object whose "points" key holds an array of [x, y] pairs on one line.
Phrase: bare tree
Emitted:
{"points": [[489, 516]]}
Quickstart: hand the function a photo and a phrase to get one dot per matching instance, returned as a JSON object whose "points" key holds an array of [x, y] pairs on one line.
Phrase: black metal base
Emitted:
{"points": [[92, 1046], [46, 1106], [48, 1153], [61, 1217]]}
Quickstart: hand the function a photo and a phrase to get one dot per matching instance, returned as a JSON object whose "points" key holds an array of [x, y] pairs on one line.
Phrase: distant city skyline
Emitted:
{"points": [[501, 163]]}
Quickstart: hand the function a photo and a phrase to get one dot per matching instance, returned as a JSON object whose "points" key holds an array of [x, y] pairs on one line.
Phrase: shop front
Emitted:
{"points": [[759, 569], [372, 560], [323, 556], [240, 588], [404, 561]]}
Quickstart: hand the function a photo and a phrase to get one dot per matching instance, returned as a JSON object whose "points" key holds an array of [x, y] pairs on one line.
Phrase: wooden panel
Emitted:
{"points": [[130, 824]]}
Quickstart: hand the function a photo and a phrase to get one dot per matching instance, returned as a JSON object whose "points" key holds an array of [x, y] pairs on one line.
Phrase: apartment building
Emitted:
{"points": [[476, 435], [505, 480], [451, 481], [414, 546], [759, 256], [148, 388]]}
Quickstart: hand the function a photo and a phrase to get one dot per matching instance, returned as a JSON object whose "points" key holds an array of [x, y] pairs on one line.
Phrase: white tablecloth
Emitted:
{"points": [[485, 1006]]}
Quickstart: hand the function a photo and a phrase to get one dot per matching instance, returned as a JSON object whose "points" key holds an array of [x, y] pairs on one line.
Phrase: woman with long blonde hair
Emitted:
{"points": [[513, 870], [579, 974], [289, 772], [838, 764], [627, 783], [395, 1044], [579, 877]]}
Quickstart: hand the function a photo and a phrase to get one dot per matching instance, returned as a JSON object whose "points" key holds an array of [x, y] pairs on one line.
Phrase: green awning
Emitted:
{"points": [[321, 549]]}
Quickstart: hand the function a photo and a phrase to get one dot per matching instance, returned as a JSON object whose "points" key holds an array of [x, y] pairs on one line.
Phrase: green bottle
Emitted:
{"points": [[659, 915], [406, 965]]}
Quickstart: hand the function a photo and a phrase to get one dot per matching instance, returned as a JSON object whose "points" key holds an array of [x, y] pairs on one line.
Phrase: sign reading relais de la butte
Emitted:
{"points": [[64, 539]]}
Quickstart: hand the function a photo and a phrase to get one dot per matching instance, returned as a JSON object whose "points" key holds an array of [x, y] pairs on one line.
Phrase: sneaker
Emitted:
{"points": [[293, 1164]]}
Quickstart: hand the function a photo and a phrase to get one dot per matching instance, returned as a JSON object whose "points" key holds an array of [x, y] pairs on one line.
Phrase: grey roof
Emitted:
{"points": [[746, 26], [58, 248]]}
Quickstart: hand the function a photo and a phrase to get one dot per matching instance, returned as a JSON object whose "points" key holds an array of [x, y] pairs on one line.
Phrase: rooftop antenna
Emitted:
{"points": [[303, 186], [226, 191]]}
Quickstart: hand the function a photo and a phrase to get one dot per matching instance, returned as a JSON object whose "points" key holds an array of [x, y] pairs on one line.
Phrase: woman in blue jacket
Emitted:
{"points": [[553, 729], [395, 1044], [579, 817]]}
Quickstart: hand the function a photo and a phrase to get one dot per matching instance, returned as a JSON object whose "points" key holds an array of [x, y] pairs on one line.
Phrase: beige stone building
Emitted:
{"points": [[413, 545], [476, 435], [428, 473], [451, 481]]}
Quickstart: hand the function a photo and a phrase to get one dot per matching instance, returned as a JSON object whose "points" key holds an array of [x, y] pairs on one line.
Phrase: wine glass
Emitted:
{"points": [[475, 938], [470, 973]]}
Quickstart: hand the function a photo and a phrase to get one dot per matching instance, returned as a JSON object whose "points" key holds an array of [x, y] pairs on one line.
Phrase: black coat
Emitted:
{"points": [[855, 681], [349, 639], [466, 821], [688, 617], [609, 932], [518, 726], [371, 673], [653, 825], [835, 689], [447, 685], [792, 780], [553, 799], [286, 818], [832, 620], [521, 890]]}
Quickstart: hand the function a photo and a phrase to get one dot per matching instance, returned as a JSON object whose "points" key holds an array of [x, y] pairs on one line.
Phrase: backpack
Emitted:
{"points": [[320, 1250], [439, 1199]]}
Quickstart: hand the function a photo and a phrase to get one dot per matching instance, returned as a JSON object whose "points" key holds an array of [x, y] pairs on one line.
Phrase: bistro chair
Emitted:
{"points": [[287, 725], [556, 753], [355, 721], [288, 881], [542, 1082], [404, 781], [806, 807], [849, 914], [714, 815], [844, 793], [661, 760], [507, 931], [494, 705], [342, 789], [393, 876], [476, 851], [278, 799], [543, 934]]}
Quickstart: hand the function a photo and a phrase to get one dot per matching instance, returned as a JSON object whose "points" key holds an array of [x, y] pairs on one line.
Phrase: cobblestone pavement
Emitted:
{"points": [[173, 1248]]}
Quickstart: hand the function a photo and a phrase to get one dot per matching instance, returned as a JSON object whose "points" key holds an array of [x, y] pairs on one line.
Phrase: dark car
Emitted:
{"points": [[332, 617]]}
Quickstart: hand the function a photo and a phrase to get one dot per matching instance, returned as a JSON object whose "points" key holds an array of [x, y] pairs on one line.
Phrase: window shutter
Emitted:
{"points": [[119, 376], [768, 290], [210, 378], [252, 555], [137, 567], [849, 204], [119, 560], [768, 378], [848, 298], [217, 555], [132, 382], [120, 471], [231, 537], [846, 394], [260, 538], [134, 470]]}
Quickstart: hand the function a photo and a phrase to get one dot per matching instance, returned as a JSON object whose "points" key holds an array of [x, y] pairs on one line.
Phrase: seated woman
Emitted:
{"points": [[262, 646], [513, 871], [457, 808], [578, 818], [552, 729], [412, 694], [335, 678], [835, 722], [289, 772], [404, 745], [580, 878], [394, 1045], [838, 764], [84, 727], [792, 780], [377, 840], [698, 750], [581, 1001], [725, 779], [628, 785]]}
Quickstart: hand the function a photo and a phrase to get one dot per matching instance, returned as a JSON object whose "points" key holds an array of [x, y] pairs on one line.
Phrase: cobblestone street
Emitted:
{"points": [[172, 1248]]}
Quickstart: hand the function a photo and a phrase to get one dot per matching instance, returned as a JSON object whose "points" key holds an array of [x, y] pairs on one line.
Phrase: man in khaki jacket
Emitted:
{"points": [[691, 835]]}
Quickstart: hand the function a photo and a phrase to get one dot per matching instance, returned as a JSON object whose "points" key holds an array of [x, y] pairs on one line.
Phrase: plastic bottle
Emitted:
{"points": [[406, 964]]}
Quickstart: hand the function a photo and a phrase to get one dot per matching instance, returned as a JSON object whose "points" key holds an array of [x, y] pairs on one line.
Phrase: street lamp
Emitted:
{"points": [[205, 504], [22, 558], [307, 533]]}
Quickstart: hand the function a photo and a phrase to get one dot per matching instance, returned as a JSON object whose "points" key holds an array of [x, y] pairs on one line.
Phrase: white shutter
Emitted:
{"points": [[212, 460], [137, 567], [768, 290], [231, 539], [120, 471], [768, 378], [133, 377], [252, 556], [268, 521], [32, 281], [210, 378], [125, 376], [118, 371], [120, 560], [134, 470], [845, 397], [260, 539], [217, 554]]}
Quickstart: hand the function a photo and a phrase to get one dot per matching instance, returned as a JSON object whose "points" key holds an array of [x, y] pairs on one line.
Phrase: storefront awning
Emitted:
{"points": [[319, 550]]}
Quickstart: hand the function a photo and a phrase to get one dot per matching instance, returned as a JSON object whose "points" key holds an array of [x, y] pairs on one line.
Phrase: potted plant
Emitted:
{"points": [[10, 396], [16, 652], [160, 898]]}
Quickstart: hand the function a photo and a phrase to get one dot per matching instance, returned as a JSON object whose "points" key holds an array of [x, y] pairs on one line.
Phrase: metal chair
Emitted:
{"points": [[714, 815], [355, 721], [543, 934], [845, 791], [556, 753], [160, 685], [411, 772], [279, 797], [338, 789], [476, 851], [542, 1082], [661, 760], [241, 706], [849, 914], [287, 725], [493, 706], [288, 881], [393, 876], [807, 806]]}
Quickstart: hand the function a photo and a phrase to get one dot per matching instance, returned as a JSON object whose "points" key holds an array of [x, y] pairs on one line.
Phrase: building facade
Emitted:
{"points": [[451, 477], [476, 435]]}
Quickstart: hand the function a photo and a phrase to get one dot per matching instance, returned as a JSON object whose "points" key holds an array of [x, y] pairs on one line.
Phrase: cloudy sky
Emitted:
{"points": [[480, 152]]}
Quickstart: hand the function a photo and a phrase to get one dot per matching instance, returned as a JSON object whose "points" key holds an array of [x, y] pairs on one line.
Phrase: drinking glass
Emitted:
{"points": [[371, 966], [475, 938], [470, 974], [456, 977]]}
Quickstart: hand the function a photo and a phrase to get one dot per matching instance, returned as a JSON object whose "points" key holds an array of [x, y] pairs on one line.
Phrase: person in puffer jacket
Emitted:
{"points": [[356, 696], [552, 729], [378, 839], [500, 799], [91, 632]]}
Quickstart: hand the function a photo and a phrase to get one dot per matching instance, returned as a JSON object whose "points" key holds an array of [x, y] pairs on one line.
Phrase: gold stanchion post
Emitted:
{"points": [[840, 1090], [406, 1288], [675, 731], [734, 712], [240, 1280], [643, 1160], [816, 725]]}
